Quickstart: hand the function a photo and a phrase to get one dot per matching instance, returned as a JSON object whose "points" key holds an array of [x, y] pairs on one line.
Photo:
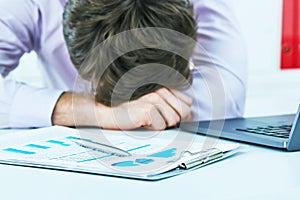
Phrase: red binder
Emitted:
{"points": [[290, 45]]}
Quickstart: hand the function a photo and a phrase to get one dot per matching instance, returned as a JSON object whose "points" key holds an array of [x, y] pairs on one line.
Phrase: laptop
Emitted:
{"points": [[278, 131]]}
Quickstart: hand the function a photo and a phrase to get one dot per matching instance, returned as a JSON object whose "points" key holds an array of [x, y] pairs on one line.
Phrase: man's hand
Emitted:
{"points": [[156, 111]]}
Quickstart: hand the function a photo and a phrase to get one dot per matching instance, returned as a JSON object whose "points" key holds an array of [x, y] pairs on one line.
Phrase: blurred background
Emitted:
{"points": [[270, 89]]}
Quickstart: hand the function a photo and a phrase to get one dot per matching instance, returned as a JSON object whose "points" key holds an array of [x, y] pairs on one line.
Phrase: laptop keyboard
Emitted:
{"points": [[282, 131]]}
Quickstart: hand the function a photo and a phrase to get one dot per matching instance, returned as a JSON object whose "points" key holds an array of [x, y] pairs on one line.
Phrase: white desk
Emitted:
{"points": [[258, 173]]}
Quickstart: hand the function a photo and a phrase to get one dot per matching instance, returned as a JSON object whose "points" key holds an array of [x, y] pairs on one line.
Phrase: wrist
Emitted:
{"points": [[102, 115], [73, 109], [62, 112]]}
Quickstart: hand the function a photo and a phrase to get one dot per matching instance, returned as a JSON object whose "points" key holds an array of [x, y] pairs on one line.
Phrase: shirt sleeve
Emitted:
{"points": [[220, 62], [21, 105]]}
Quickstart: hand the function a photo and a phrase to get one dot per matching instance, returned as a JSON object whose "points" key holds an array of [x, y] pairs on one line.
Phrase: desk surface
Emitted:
{"points": [[257, 173]]}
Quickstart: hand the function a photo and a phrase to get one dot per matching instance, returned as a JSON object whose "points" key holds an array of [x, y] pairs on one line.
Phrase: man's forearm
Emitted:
{"points": [[75, 110], [155, 111], [62, 114]]}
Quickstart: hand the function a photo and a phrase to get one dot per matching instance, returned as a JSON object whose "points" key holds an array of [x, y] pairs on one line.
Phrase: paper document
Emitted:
{"points": [[136, 154]]}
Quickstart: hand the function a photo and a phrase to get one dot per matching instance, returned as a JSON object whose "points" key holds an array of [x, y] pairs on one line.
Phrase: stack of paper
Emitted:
{"points": [[137, 154]]}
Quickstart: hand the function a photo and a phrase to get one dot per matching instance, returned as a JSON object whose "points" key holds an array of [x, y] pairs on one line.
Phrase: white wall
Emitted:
{"points": [[270, 90], [28, 71], [261, 25]]}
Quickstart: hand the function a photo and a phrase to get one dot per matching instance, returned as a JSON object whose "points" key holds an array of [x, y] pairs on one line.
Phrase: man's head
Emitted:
{"points": [[89, 23]]}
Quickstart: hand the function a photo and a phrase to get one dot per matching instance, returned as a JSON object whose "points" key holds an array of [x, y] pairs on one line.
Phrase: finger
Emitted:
{"points": [[189, 118], [188, 100], [143, 114], [181, 107], [168, 113], [157, 121], [170, 116]]}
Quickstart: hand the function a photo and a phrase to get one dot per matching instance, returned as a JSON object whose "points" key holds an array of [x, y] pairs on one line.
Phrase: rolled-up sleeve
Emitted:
{"points": [[26, 106], [21, 105], [220, 60]]}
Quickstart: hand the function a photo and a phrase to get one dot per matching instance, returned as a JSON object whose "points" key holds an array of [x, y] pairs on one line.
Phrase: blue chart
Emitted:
{"points": [[38, 146], [31, 149], [26, 152], [164, 154], [129, 163], [134, 163], [69, 151], [19, 151], [59, 143], [144, 161]]}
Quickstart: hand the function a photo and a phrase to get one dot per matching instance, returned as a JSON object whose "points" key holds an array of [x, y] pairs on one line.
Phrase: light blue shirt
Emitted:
{"points": [[218, 89]]}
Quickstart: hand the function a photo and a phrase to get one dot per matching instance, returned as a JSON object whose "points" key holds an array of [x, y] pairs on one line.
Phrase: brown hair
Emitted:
{"points": [[88, 23]]}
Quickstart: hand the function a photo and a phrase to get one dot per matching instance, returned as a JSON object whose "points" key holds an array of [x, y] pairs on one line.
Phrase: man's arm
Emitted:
{"points": [[25, 106], [156, 111], [21, 105], [220, 59]]}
